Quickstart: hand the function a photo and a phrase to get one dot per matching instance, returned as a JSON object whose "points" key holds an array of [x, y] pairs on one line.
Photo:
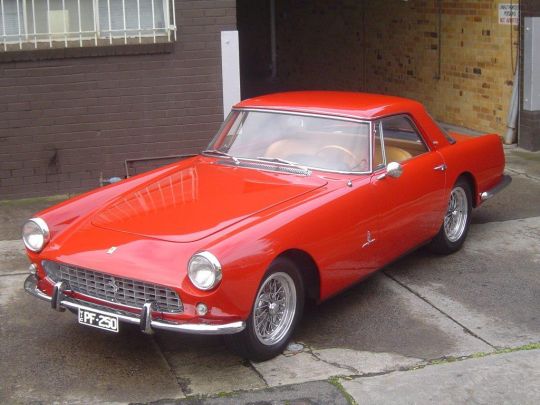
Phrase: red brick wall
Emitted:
{"points": [[65, 121], [392, 47]]}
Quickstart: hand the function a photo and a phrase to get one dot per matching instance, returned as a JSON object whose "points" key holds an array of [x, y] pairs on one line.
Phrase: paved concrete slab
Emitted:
{"points": [[13, 257], [203, 365], [313, 393], [381, 316], [47, 357], [491, 286], [522, 161], [510, 378], [521, 199], [313, 365]]}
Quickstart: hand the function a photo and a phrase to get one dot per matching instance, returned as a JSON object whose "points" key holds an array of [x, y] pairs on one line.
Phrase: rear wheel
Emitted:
{"points": [[277, 309], [456, 220]]}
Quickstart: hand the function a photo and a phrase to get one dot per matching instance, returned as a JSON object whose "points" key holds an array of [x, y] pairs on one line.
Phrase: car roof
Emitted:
{"points": [[348, 104]]}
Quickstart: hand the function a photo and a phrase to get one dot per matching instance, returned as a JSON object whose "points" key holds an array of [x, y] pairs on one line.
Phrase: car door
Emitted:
{"points": [[410, 204]]}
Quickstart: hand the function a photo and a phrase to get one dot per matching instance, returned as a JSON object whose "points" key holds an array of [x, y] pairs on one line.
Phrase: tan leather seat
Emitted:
{"points": [[393, 154]]}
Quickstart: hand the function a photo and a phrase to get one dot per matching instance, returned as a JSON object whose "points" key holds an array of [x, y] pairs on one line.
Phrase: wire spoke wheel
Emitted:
{"points": [[455, 220], [274, 309]]}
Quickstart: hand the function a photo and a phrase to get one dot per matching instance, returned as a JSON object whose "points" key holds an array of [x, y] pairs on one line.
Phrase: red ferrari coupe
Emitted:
{"points": [[297, 197]]}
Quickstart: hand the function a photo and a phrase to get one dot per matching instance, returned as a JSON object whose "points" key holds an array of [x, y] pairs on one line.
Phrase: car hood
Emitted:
{"points": [[200, 199]]}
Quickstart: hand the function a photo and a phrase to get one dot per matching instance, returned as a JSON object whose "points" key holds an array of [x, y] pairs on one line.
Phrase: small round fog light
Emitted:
{"points": [[32, 269], [202, 309]]}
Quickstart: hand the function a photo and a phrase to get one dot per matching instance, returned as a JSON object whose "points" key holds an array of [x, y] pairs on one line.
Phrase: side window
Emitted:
{"points": [[401, 139]]}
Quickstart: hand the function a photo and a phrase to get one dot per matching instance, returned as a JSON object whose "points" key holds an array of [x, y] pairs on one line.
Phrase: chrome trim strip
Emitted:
{"points": [[505, 181], [306, 114], [30, 286]]}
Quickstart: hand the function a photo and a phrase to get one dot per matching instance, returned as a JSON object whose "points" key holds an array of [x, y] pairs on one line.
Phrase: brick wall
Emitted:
{"points": [[393, 47], [529, 121], [65, 121]]}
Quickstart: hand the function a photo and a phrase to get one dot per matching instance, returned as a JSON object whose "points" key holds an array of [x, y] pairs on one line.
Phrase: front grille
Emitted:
{"points": [[119, 290]]}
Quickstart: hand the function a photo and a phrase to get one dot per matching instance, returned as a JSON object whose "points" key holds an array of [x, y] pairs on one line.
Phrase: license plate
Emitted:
{"points": [[97, 320]]}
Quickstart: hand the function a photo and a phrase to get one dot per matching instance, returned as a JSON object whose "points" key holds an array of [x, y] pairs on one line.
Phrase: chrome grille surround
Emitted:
{"points": [[119, 290]]}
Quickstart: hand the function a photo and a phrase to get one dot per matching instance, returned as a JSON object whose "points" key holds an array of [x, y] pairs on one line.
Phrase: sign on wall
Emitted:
{"points": [[508, 13]]}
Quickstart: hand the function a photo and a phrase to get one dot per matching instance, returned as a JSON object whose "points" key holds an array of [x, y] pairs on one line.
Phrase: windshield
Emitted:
{"points": [[324, 143]]}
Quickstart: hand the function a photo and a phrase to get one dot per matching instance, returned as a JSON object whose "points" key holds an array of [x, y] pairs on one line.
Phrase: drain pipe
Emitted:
{"points": [[439, 44], [273, 44], [511, 125]]}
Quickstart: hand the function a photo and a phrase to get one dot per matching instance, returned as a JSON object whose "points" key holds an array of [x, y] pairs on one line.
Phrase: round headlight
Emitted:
{"points": [[204, 270], [35, 234]]}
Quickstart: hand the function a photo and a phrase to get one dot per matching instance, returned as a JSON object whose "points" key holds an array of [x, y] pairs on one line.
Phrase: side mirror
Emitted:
{"points": [[393, 169]]}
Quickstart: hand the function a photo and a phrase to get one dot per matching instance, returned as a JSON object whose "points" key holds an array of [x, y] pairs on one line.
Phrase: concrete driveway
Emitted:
{"points": [[420, 311]]}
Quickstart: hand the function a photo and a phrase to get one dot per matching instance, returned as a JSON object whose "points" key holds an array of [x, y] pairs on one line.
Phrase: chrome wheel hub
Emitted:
{"points": [[274, 308], [455, 220]]}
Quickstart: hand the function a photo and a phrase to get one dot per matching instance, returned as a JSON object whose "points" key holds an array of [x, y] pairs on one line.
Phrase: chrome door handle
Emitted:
{"points": [[440, 168]]}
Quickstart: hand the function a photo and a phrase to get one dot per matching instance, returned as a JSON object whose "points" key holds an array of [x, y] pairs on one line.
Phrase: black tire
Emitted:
{"points": [[247, 343], [445, 242]]}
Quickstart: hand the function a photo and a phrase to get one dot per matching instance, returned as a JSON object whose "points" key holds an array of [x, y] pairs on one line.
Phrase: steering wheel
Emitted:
{"points": [[351, 160]]}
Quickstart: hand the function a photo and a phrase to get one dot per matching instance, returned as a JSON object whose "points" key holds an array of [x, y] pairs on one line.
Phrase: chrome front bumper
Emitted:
{"points": [[505, 181], [59, 301]]}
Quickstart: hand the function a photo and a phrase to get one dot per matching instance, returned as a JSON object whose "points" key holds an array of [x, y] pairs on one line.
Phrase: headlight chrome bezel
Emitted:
{"points": [[43, 228], [214, 265]]}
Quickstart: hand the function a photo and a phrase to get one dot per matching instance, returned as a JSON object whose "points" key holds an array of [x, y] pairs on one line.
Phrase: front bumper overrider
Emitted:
{"points": [[59, 301]]}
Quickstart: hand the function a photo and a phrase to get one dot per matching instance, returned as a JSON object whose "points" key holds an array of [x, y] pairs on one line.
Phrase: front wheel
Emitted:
{"points": [[456, 220], [277, 309]]}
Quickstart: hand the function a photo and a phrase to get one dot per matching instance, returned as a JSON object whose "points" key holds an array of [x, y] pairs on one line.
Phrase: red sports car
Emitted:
{"points": [[297, 197]]}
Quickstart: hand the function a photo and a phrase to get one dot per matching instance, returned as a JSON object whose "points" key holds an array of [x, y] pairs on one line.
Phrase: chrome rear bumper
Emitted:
{"points": [[59, 301], [505, 181]]}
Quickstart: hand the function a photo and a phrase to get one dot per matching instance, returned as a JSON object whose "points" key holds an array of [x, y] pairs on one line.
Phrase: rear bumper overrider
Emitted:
{"points": [[59, 301], [505, 181]]}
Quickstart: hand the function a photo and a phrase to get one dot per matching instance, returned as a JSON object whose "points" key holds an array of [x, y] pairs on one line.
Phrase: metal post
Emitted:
{"points": [[153, 22], [124, 18], [139, 20], [110, 26], [80, 25], [34, 22], [3, 26]]}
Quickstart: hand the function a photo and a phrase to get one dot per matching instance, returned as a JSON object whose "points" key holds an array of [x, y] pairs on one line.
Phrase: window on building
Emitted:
{"points": [[27, 24]]}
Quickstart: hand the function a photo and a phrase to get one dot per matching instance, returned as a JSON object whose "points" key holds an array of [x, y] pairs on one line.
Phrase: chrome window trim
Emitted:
{"points": [[320, 115], [383, 149]]}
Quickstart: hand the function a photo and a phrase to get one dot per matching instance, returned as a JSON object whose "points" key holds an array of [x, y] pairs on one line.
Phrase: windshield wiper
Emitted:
{"points": [[220, 153], [278, 160], [285, 162]]}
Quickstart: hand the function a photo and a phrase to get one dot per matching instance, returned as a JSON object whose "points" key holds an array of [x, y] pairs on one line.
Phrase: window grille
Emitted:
{"points": [[28, 24]]}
